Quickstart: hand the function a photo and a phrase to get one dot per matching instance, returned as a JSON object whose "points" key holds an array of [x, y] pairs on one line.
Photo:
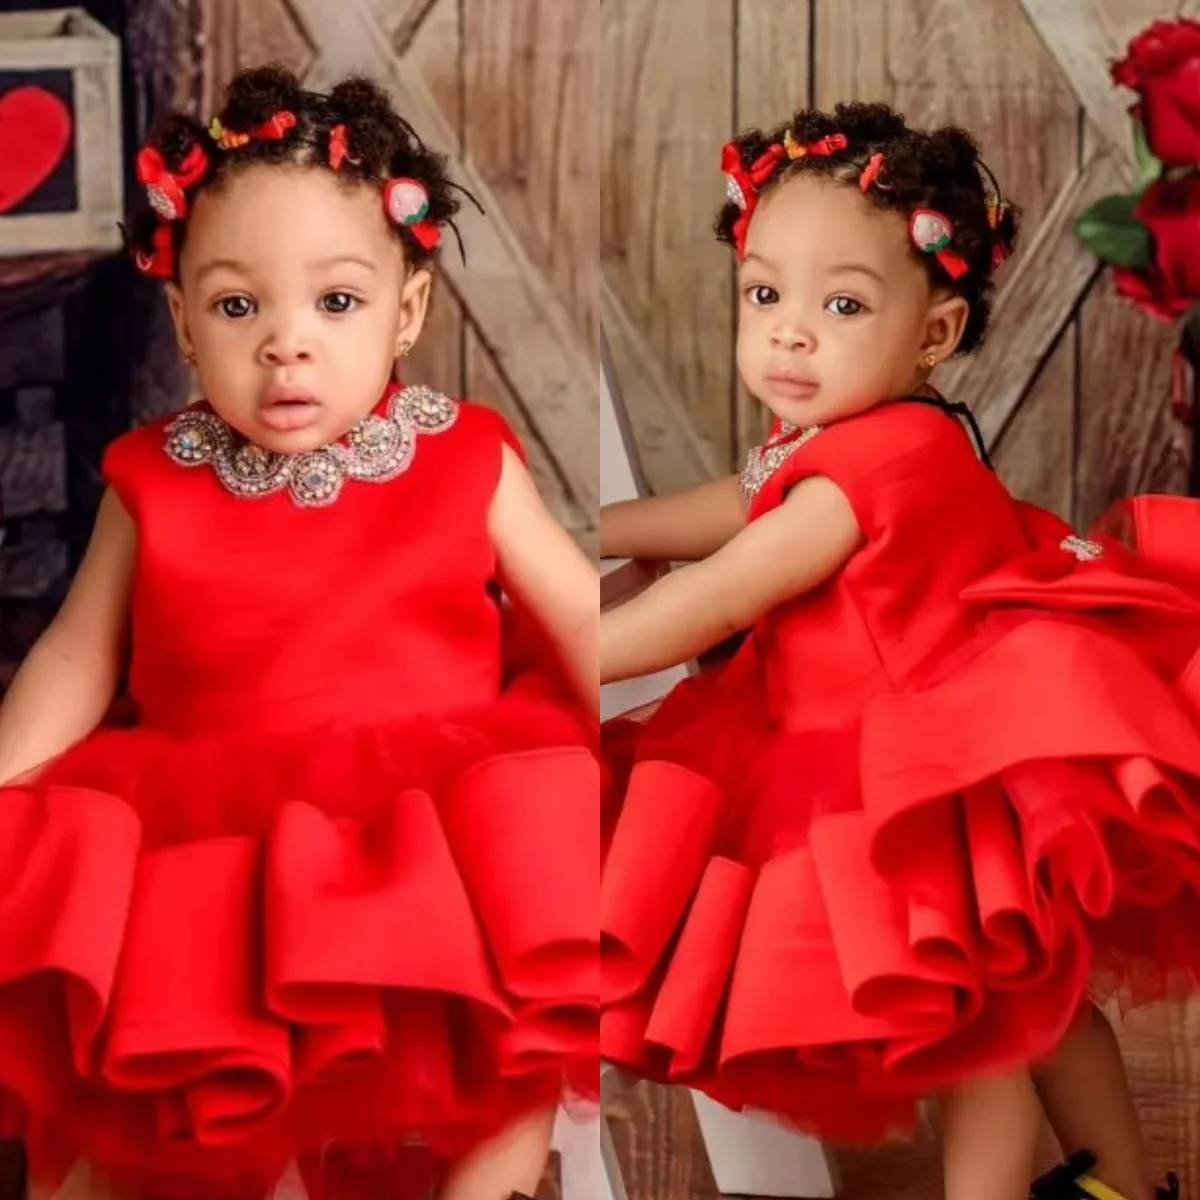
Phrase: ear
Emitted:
{"points": [[414, 305], [179, 319], [945, 324]]}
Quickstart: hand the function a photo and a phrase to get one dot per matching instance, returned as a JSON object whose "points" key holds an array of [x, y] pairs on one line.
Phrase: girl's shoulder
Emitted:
{"points": [[133, 455], [902, 454], [483, 421]]}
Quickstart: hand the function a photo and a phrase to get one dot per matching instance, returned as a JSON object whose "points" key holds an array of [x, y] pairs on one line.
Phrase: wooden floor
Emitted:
{"points": [[662, 1158]]}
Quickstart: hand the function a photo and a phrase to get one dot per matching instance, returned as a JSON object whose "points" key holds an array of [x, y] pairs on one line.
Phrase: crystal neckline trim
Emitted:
{"points": [[380, 447]]}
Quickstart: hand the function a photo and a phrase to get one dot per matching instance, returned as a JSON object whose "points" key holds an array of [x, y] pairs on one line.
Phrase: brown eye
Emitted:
{"points": [[337, 303], [844, 306], [235, 307], [760, 295]]}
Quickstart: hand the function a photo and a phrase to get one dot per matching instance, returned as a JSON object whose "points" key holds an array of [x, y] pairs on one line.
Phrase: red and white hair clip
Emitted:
{"points": [[406, 202], [931, 233]]}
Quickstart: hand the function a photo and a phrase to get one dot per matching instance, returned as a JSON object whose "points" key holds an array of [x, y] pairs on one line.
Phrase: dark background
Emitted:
{"points": [[84, 350]]}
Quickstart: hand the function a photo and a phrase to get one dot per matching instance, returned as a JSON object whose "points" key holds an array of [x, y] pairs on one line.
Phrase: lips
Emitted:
{"points": [[792, 384], [289, 409], [287, 397]]}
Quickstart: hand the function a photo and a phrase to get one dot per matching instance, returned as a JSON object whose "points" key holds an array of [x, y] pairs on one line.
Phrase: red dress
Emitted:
{"points": [[887, 844], [333, 896]]}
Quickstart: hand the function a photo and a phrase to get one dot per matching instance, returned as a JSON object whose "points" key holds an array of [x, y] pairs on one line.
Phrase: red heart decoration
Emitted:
{"points": [[35, 131]]}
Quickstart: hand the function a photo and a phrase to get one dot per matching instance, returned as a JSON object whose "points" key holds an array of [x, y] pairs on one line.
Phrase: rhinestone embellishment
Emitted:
{"points": [[1084, 550], [734, 193], [162, 203], [377, 449], [763, 461]]}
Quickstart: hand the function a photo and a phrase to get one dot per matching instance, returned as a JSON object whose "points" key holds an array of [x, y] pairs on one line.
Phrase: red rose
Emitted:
{"points": [[1163, 67], [1170, 286]]}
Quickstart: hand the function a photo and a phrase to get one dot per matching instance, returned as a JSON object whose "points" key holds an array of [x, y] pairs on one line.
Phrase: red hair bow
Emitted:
{"points": [[167, 192], [159, 262], [743, 184], [339, 148], [167, 189]]}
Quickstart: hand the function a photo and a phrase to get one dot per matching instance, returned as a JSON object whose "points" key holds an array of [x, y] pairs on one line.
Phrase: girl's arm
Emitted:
{"points": [[67, 682], [782, 554], [545, 573], [681, 526]]}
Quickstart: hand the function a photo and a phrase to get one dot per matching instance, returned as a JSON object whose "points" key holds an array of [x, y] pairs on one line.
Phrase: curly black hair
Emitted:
{"points": [[380, 145], [940, 169]]}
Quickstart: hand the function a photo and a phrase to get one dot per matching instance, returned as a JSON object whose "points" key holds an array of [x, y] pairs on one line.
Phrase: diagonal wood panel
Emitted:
{"points": [[671, 453], [523, 323], [1080, 36], [453, 355], [530, 81]]}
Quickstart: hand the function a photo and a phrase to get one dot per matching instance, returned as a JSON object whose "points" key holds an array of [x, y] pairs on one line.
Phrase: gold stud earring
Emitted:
{"points": [[405, 349], [929, 361], [189, 357]]}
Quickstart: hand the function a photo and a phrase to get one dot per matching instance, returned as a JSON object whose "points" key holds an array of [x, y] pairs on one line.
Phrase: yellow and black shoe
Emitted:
{"points": [[1071, 1181], [1093, 1188], [1062, 1182]]}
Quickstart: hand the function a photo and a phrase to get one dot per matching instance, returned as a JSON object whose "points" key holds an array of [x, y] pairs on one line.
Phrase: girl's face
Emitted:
{"points": [[295, 301], [835, 313]]}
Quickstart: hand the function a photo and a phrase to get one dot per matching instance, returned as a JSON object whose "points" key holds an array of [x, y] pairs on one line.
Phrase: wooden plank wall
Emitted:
{"points": [[509, 88], [1072, 388]]}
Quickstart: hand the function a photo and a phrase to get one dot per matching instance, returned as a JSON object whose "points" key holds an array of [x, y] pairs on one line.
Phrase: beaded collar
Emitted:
{"points": [[763, 461], [380, 447]]}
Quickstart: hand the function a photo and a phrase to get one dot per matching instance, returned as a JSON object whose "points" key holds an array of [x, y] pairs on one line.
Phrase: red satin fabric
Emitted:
{"points": [[333, 895], [921, 807]]}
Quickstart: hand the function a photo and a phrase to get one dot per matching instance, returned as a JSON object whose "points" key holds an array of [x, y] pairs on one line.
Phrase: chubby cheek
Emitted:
{"points": [[751, 349]]}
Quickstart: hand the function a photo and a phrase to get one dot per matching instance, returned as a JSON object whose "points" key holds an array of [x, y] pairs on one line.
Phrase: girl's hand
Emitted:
{"points": [[678, 527], [544, 572], [775, 558]]}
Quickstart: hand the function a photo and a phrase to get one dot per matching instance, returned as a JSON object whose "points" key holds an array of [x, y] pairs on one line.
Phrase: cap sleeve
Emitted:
{"points": [[490, 421], [120, 468], [894, 458]]}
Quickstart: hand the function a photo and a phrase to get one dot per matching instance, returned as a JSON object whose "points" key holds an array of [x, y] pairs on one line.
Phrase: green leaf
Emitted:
{"points": [[1149, 167], [1114, 234]]}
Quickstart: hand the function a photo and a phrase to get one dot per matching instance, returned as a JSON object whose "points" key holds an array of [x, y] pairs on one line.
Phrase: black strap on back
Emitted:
{"points": [[961, 413]]}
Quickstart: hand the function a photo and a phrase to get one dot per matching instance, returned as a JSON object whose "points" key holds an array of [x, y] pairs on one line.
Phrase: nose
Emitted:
{"points": [[287, 345], [789, 333]]}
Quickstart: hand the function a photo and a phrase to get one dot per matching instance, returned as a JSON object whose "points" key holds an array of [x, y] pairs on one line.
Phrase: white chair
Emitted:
{"points": [[748, 1155]]}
